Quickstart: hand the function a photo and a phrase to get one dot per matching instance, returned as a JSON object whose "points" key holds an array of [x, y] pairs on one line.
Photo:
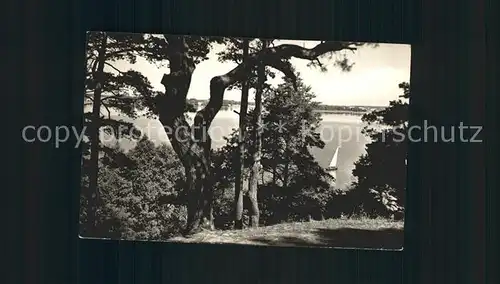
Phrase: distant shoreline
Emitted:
{"points": [[322, 108], [232, 114], [345, 112]]}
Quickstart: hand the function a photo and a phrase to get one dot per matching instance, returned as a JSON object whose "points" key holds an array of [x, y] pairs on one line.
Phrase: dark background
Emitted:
{"points": [[451, 186]]}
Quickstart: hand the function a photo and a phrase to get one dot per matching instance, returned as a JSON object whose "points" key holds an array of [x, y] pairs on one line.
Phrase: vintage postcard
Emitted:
{"points": [[245, 141]]}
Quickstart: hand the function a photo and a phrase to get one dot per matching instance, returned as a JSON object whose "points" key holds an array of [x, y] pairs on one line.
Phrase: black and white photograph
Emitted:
{"points": [[246, 141]]}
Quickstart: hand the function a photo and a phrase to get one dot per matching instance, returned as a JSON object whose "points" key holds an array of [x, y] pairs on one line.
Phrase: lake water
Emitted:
{"points": [[336, 129]]}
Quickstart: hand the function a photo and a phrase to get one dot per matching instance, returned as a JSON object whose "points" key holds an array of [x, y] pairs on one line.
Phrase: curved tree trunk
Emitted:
{"points": [[191, 144], [240, 161]]}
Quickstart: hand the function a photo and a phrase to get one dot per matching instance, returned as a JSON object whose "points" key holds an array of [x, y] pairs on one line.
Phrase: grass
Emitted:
{"points": [[353, 233]]}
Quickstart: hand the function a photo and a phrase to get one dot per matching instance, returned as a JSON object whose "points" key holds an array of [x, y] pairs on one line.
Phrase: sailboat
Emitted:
{"points": [[332, 167]]}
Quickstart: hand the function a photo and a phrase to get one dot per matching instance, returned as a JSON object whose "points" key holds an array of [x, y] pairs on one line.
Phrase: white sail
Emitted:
{"points": [[333, 162], [332, 167]]}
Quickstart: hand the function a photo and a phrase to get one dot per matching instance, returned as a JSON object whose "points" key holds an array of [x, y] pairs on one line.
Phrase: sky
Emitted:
{"points": [[373, 80]]}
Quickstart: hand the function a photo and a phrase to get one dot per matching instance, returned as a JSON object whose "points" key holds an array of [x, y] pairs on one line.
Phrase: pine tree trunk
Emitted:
{"points": [[240, 164], [93, 194], [209, 208], [257, 147], [198, 201]]}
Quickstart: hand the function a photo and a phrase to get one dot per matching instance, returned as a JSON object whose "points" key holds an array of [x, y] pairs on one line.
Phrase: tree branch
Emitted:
{"points": [[91, 55], [319, 62], [275, 57], [116, 69], [118, 96], [88, 96], [107, 108]]}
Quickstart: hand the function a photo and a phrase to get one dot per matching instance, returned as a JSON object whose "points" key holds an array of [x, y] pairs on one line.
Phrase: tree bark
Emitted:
{"points": [[93, 194], [240, 161], [257, 146], [192, 144], [209, 208]]}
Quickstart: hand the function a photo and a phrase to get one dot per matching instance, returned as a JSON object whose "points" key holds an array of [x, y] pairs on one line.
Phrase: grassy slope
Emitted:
{"points": [[354, 233]]}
